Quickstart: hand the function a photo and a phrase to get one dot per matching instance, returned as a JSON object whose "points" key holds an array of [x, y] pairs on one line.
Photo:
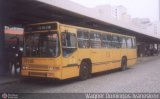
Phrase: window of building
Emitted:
{"points": [[83, 39], [95, 38]]}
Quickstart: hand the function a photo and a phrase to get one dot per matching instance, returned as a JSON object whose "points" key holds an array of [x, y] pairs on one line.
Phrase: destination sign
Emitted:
{"points": [[42, 27]]}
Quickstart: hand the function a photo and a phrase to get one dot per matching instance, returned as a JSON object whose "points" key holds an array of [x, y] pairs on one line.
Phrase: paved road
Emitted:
{"points": [[143, 77]]}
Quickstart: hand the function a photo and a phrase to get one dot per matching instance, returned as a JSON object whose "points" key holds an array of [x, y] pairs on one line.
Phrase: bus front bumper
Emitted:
{"points": [[41, 74]]}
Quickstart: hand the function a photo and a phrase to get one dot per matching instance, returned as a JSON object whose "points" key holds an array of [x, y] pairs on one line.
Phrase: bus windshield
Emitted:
{"points": [[41, 45]]}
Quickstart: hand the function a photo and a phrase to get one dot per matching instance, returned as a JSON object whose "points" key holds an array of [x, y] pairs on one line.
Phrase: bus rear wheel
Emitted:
{"points": [[123, 64], [84, 71]]}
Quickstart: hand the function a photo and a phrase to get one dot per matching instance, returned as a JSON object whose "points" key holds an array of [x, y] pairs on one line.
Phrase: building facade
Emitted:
{"points": [[120, 14]]}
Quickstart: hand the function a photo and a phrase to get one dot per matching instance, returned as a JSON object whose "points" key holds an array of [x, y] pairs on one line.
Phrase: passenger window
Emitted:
{"points": [[115, 41], [83, 39], [106, 41], [120, 42], [95, 40], [69, 43], [134, 42], [129, 43], [124, 45]]}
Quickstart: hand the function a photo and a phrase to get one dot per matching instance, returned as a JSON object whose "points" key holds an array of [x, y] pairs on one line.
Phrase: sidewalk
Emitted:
{"points": [[145, 59], [8, 79]]}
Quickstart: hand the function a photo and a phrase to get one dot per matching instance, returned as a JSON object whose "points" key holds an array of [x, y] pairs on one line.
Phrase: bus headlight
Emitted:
{"points": [[24, 67]]}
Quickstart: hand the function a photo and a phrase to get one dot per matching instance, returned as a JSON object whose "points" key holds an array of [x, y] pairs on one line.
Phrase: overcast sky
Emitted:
{"points": [[136, 8]]}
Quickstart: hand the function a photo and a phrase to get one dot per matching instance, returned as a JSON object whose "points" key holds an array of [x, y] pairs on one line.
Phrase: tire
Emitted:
{"points": [[123, 64], [84, 71]]}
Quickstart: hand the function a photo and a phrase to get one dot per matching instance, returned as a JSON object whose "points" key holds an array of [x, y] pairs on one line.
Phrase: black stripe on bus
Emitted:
{"points": [[98, 63], [116, 61], [132, 59], [71, 65], [106, 62]]}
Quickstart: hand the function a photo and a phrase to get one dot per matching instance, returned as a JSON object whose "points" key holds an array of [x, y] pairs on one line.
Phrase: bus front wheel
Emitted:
{"points": [[123, 64], [84, 71]]}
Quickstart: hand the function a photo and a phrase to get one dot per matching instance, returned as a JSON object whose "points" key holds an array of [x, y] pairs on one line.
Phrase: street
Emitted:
{"points": [[141, 78]]}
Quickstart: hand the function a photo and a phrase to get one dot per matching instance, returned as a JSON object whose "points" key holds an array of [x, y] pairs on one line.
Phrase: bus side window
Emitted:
{"points": [[129, 43], [64, 39], [124, 44], [134, 42], [69, 43], [106, 41], [95, 39], [83, 39], [120, 42], [115, 41]]}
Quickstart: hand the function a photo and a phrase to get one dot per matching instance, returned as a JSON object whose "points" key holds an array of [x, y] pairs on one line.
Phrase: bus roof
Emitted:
{"points": [[78, 27], [83, 28]]}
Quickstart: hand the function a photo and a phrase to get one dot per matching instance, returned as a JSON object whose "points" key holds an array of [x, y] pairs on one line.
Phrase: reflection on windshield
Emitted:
{"points": [[41, 45]]}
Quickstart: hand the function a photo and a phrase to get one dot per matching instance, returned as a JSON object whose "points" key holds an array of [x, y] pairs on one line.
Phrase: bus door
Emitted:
{"points": [[69, 53]]}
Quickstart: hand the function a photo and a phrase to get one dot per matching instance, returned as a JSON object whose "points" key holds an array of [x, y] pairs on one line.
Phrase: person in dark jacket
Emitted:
{"points": [[19, 59], [13, 54]]}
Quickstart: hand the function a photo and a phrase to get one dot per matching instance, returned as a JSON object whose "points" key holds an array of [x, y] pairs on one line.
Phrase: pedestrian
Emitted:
{"points": [[13, 60], [19, 59]]}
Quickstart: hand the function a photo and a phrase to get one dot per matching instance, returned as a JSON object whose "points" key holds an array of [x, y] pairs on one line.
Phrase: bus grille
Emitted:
{"points": [[38, 67]]}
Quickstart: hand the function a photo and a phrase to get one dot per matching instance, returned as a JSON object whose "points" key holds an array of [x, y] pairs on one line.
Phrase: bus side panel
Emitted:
{"points": [[70, 72], [70, 67], [116, 58], [84, 54], [96, 57], [104, 61], [132, 56]]}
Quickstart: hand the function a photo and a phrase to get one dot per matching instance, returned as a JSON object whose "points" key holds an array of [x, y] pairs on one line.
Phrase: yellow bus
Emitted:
{"points": [[55, 50]]}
